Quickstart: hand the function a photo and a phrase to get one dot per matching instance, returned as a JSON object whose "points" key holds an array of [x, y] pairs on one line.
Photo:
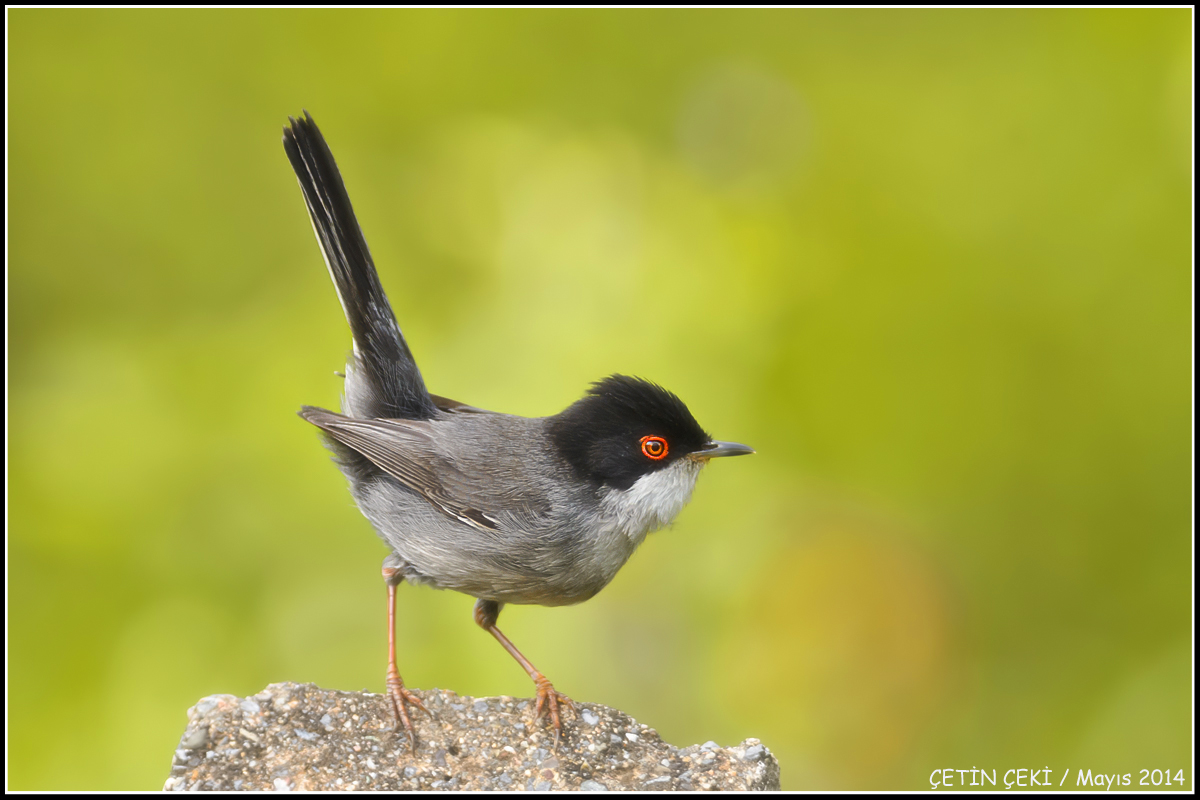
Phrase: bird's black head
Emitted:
{"points": [[625, 428]]}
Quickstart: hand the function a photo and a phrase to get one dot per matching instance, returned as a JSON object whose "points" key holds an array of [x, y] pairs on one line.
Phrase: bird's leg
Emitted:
{"points": [[548, 699], [395, 685]]}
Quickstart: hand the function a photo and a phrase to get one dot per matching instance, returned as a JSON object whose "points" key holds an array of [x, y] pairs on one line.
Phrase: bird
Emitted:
{"points": [[503, 508]]}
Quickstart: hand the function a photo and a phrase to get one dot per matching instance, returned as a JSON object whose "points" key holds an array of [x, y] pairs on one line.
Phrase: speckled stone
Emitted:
{"points": [[300, 737]]}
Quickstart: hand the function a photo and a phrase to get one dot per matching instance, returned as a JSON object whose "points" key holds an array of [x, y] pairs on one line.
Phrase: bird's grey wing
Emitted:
{"points": [[408, 451]]}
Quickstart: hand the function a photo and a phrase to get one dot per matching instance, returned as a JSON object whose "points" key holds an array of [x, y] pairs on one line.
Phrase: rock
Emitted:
{"points": [[300, 737]]}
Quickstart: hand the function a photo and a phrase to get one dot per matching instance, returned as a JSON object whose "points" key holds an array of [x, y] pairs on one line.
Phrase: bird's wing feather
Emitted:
{"points": [[406, 450], [454, 406]]}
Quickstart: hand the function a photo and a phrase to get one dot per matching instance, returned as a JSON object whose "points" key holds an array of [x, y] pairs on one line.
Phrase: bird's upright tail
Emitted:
{"points": [[383, 380]]}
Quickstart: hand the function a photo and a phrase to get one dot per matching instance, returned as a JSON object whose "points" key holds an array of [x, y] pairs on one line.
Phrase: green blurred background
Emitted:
{"points": [[933, 265]]}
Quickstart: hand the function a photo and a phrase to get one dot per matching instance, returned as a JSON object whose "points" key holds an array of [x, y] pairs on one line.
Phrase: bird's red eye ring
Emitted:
{"points": [[654, 447]]}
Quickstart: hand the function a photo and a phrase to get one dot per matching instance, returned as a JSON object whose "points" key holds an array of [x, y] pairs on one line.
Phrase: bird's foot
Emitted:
{"points": [[399, 695], [548, 702]]}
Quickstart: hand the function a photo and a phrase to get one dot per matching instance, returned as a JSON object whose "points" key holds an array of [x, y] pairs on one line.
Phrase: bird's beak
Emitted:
{"points": [[719, 449]]}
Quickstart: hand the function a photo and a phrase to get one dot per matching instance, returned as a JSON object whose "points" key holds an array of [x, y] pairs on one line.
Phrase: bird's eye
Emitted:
{"points": [[654, 447]]}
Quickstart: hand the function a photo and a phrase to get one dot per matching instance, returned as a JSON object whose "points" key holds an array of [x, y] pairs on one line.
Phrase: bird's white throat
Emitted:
{"points": [[653, 501]]}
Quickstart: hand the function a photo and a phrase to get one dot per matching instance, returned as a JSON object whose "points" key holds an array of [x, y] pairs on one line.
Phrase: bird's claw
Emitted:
{"points": [[548, 701], [399, 695]]}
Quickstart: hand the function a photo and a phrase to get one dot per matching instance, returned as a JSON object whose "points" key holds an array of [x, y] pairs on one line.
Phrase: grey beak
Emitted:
{"points": [[716, 449]]}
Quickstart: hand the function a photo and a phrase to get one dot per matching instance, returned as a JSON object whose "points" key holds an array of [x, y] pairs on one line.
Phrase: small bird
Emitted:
{"points": [[505, 509]]}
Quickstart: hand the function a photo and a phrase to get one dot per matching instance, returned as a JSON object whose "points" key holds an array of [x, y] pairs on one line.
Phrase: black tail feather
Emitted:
{"points": [[392, 383]]}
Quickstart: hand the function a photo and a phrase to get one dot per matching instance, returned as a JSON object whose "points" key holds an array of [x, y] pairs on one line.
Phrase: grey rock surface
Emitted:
{"points": [[301, 737]]}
